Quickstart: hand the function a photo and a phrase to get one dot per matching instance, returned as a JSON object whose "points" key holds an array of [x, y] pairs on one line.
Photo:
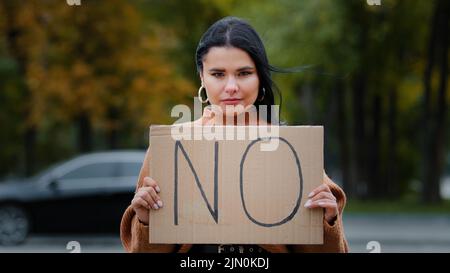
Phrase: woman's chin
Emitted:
{"points": [[232, 110], [236, 109]]}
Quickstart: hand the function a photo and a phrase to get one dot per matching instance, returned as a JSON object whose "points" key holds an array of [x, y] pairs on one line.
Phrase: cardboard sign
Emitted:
{"points": [[235, 192]]}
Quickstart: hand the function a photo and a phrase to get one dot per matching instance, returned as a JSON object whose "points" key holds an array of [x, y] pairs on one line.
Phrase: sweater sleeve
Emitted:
{"points": [[334, 237], [135, 235]]}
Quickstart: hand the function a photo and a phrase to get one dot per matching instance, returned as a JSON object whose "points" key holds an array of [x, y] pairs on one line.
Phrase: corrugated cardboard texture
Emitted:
{"points": [[259, 194]]}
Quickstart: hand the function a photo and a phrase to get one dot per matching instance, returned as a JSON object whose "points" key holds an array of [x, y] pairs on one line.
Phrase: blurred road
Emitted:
{"points": [[391, 233], [398, 233], [62, 244]]}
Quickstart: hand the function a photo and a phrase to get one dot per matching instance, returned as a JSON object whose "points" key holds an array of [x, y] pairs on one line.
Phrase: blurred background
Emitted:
{"points": [[80, 85]]}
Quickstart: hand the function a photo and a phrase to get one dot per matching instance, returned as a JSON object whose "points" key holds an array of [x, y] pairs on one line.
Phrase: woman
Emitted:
{"points": [[234, 70]]}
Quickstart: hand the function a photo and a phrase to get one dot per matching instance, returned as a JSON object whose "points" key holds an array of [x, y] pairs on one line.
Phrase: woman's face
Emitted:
{"points": [[230, 77]]}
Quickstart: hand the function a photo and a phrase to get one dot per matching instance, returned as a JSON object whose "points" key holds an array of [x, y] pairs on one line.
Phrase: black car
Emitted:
{"points": [[86, 194]]}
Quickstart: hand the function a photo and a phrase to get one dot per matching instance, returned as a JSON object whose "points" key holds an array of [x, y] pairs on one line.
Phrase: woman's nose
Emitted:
{"points": [[231, 86]]}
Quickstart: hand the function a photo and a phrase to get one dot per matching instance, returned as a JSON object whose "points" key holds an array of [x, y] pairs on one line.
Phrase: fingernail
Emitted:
{"points": [[308, 203], [155, 206], [160, 204], [157, 189], [311, 194]]}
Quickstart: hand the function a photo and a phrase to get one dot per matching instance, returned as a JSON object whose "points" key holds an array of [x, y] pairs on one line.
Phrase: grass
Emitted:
{"points": [[405, 205]]}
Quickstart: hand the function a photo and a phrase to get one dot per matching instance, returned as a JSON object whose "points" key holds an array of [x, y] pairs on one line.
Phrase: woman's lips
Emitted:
{"points": [[231, 101]]}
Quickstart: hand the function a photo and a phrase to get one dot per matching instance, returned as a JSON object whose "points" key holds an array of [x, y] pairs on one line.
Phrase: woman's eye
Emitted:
{"points": [[245, 73], [217, 74]]}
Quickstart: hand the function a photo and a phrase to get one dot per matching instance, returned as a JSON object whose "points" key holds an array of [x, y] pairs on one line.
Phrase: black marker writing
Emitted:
{"points": [[215, 212], [300, 177]]}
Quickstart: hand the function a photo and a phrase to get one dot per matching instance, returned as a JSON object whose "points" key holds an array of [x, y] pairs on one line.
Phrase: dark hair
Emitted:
{"points": [[235, 32]]}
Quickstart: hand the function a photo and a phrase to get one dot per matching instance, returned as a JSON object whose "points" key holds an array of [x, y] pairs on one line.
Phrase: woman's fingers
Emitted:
{"points": [[145, 195], [150, 182], [330, 207], [323, 195], [140, 202], [146, 198], [150, 196], [155, 197], [321, 203], [151, 187], [321, 188]]}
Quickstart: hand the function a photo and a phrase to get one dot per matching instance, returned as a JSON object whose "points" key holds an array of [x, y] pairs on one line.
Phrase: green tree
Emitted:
{"points": [[97, 66], [365, 87]]}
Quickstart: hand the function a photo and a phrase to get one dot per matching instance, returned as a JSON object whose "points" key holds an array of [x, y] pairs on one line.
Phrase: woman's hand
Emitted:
{"points": [[322, 197], [146, 198]]}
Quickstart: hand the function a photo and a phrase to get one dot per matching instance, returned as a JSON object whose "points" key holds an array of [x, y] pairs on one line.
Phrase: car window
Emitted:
{"points": [[130, 168], [95, 170]]}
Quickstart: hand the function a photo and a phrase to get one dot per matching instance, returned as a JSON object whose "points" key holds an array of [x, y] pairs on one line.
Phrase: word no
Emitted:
{"points": [[215, 211]]}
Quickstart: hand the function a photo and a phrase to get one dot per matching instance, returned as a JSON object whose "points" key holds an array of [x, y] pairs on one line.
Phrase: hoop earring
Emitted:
{"points": [[200, 95], [264, 93]]}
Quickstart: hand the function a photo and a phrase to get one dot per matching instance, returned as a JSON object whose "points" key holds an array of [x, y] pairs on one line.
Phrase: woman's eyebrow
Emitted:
{"points": [[245, 68], [239, 69], [216, 70]]}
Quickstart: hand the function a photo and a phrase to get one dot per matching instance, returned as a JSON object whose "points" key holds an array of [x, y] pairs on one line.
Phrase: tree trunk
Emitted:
{"points": [[392, 183], [30, 153], [438, 145], [348, 182], [359, 134], [434, 131], [307, 101], [84, 133], [426, 120], [113, 131], [376, 186], [358, 15], [113, 138], [13, 36]]}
